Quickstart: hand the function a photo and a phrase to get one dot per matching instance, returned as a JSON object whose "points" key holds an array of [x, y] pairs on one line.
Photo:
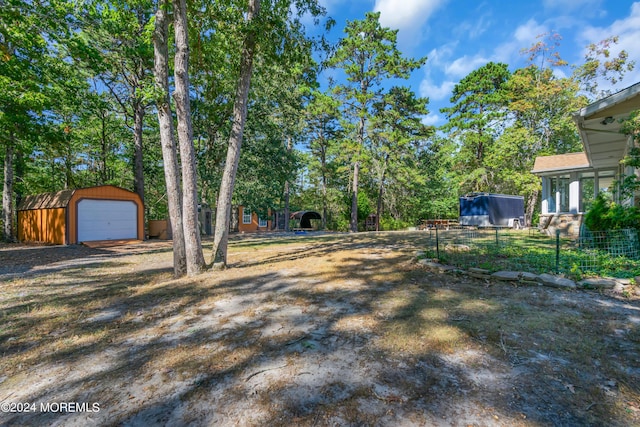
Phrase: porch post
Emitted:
{"points": [[574, 193], [596, 184], [545, 195], [558, 195]]}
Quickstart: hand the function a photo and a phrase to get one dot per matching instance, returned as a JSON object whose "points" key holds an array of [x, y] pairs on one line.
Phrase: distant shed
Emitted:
{"points": [[304, 218], [87, 214]]}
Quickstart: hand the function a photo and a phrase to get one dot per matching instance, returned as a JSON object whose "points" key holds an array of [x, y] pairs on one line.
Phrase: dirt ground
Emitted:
{"points": [[327, 330]]}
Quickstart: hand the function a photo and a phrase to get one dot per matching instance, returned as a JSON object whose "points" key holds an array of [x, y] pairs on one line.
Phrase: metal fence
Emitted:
{"points": [[612, 253]]}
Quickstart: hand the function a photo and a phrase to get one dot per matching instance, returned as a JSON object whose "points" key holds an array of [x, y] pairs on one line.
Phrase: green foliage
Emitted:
{"points": [[475, 122], [388, 223], [368, 56], [517, 251], [604, 213], [607, 215], [365, 208], [600, 64]]}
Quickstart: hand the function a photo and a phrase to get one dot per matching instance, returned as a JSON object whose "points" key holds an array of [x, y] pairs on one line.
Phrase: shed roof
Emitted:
{"points": [[305, 217], [560, 162], [58, 199], [306, 214]]}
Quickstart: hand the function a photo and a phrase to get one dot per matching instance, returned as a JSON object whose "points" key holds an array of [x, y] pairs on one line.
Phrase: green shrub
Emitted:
{"points": [[607, 215], [388, 224]]}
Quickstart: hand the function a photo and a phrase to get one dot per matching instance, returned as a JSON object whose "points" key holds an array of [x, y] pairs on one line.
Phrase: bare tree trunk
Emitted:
{"points": [[7, 192], [354, 198], [381, 191], [356, 176], [532, 202], [287, 191], [379, 205], [138, 175], [193, 245], [103, 146], [223, 212], [323, 166], [167, 141], [286, 214]]}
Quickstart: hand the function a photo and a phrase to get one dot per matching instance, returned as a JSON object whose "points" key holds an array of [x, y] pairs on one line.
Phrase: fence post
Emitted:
{"points": [[557, 251], [497, 240], [437, 244]]}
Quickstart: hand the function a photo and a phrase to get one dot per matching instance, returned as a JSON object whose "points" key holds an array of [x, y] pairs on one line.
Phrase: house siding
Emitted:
{"points": [[254, 225], [42, 225]]}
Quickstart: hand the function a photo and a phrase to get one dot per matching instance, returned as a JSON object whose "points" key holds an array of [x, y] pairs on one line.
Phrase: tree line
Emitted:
{"points": [[221, 102]]}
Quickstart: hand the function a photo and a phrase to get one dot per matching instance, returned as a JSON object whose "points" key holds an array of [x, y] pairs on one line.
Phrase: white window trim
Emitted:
{"points": [[244, 215], [262, 222]]}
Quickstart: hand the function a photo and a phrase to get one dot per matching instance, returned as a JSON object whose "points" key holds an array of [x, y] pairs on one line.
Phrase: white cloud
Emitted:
{"points": [[406, 14], [474, 29], [439, 57], [434, 92], [433, 119], [508, 52], [529, 32], [461, 67]]}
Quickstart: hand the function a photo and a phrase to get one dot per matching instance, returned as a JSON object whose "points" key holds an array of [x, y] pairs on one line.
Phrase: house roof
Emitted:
{"points": [[599, 125], [561, 162], [59, 199]]}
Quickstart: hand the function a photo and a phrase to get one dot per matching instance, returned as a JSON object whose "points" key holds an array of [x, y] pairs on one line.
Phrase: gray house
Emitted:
{"points": [[570, 182]]}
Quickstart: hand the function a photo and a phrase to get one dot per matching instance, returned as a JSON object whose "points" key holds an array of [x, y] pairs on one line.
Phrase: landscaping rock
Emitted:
{"points": [[556, 282], [479, 273], [446, 268], [529, 278], [429, 263], [597, 283], [436, 266], [618, 288], [511, 276]]}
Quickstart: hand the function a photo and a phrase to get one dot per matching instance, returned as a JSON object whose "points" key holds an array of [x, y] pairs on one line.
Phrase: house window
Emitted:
{"points": [[587, 190], [606, 181], [563, 189], [551, 194], [262, 222], [246, 216]]}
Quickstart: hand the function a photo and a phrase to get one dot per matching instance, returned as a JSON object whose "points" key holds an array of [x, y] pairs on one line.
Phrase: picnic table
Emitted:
{"points": [[427, 224]]}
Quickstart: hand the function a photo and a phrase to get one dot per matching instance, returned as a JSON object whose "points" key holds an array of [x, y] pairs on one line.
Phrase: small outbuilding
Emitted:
{"points": [[304, 219], [86, 214]]}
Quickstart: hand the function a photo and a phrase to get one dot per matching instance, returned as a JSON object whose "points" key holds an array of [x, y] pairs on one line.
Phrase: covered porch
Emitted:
{"points": [[571, 182]]}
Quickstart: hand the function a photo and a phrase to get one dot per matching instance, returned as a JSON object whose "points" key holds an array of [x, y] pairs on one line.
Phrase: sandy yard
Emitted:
{"points": [[326, 330]]}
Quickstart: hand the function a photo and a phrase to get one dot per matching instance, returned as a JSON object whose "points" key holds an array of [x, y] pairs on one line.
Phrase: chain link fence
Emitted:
{"points": [[609, 253]]}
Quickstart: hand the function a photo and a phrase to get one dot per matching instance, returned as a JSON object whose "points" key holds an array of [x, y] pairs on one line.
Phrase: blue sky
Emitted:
{"points": [[459, 36]]}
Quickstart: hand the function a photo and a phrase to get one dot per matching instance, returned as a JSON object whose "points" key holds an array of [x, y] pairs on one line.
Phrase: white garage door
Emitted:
{"points": [[107, 220]]}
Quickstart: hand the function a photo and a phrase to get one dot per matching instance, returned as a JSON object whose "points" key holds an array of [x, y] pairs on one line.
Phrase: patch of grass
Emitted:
{"points": [[516, 250]]}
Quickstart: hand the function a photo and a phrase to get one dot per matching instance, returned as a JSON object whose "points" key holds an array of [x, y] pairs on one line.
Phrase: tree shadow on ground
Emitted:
{"points": [[23, 260], [363, 338]]}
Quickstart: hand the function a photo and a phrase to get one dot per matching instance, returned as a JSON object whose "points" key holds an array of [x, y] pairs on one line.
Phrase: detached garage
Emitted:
{"points": [[86, 214]]}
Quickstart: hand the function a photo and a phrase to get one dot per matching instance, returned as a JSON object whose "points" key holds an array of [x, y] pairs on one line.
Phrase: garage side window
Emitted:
{"points": [[246, 215]]}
